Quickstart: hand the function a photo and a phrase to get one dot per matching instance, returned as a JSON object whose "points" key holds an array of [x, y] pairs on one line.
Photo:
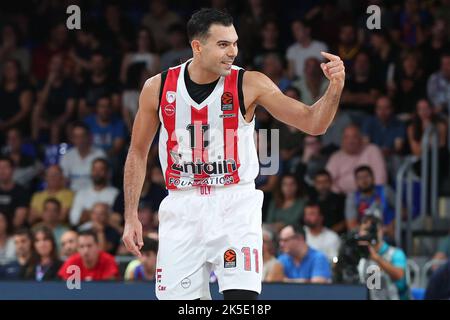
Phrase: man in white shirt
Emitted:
{"points": [[304, 48], [317, 236], [86, 198], [77, 162]]}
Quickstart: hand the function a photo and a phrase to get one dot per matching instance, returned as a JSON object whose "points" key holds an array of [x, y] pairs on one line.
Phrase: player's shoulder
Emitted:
{"points": [[153, 83]]}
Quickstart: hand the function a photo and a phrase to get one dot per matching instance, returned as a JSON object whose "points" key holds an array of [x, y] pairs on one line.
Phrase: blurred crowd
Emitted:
{"points": [[69, 97]]}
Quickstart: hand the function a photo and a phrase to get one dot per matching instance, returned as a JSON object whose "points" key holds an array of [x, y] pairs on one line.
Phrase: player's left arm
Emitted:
{"points": [[313, 120]]}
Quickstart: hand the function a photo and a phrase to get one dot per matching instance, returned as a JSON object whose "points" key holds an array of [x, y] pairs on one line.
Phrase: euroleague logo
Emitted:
{"points": [[229, 259], [169, 110], [227, 101]]}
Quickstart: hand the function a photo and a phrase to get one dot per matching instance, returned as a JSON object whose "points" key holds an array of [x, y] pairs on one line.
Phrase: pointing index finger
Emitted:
{"points": [[330, 56]]}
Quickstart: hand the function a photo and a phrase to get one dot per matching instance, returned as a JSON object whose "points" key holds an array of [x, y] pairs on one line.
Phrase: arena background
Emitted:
{"points": [[56, 82]]}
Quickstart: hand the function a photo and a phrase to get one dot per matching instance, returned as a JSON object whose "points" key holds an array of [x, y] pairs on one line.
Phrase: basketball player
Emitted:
{"points": [[211, 218]]}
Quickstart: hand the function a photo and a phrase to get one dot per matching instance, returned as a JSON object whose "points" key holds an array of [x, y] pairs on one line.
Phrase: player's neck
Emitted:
{"points": [[199, 75]]}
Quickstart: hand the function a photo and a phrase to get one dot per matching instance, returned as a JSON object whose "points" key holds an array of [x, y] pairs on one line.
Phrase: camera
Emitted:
{"points": [[351, 252]]}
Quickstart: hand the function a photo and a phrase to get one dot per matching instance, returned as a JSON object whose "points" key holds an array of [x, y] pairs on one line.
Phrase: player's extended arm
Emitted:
{"points": [[144, 129], [313, 120]]}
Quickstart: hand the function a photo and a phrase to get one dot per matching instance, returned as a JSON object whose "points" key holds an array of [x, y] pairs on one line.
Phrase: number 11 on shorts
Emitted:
{"points": [[247, 259]]}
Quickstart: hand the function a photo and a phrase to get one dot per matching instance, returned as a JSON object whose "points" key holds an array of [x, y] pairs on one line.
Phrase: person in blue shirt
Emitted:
{"points": [[302, 263], [384, 129], [108, 131]]}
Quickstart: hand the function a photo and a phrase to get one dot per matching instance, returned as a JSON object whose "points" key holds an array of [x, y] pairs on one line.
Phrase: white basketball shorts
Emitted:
{"points": [[209, 229]]}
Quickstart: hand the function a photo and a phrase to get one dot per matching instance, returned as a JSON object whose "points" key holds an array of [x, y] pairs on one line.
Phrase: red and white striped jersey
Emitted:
{"points": [[208, 143]]}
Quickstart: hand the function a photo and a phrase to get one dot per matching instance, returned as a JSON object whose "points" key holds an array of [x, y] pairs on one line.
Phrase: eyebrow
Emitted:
{"points": [[226, 41]]}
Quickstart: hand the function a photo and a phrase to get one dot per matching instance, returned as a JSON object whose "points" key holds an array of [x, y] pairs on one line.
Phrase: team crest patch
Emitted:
{"points": [[169, 110], [229, 259], [170, 96], [227, 101]]}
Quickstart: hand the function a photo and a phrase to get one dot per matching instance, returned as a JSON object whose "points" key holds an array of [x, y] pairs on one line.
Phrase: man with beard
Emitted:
{"points": [[318, 236], [370, 199], [99, 192]]}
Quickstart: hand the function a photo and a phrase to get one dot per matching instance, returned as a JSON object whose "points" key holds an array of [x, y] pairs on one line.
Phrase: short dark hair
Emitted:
{"points": [[24, 232], [200, 22], [372, 219], [7, 159], [322, 172], [102, 160], [313, 203], [82, 125], [89, 233], [364, 168], [55, 201], [150, 245]]}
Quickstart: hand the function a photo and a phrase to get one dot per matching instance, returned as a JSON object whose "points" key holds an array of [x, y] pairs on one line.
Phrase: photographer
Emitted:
{"points": [[391, 261]]}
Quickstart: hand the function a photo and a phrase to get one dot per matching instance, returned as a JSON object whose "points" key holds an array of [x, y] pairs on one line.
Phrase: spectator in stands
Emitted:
{"points": [[422, 119], [98, 83], [348, 46], [270, 43], [302, 263], [384, 129], [413, 23], [7, 249], [332, 204], [370, 199], [312, 160], [10, 48], [108, 132], [287, 206], [57, 44], [145, 54], [54, 181], [438, 86], [273, 68], [100, 192], [86, 44], [438, 287], [45, 264], [77, 162], [16, 98], [384, 56], [409, 83], [435, 46], [391, 260], [14, 199], [145, 269], [55, 105], [304, 48], [272, 268], [159, 20], [354, 153], [318, 236], [313, 84], [443, 251], [51, 219], [26, 164], [179, 51], [69, 244], [94, 264], [108, 237], [361, 89], [23, 243], [388, 133]]}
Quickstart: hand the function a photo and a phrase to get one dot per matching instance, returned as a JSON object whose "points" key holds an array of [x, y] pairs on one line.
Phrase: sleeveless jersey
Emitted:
{"points": [[208, 143]]}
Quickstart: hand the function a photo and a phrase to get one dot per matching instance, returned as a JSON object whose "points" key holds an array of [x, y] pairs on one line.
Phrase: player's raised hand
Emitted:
{"points": [[334, 70], [132, 236]]}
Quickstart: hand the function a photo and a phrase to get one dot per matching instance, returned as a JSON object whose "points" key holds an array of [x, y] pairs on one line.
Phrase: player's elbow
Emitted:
{"points": [[316, 130]]}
